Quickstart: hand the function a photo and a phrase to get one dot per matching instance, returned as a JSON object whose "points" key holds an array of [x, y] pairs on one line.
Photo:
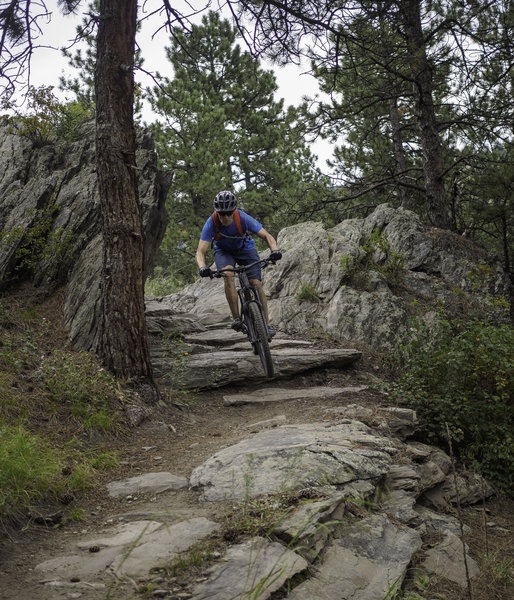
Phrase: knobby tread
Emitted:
{"points": [[261, 335]]}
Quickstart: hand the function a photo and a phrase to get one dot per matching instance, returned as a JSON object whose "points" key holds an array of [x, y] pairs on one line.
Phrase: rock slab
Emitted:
{"points": [[365, 563], [292, 457], [279, 395], [254, 569], [149, 483]]}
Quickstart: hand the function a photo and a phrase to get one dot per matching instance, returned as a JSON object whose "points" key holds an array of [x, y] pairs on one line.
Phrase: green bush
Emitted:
{"points": [[47, 120], [37, 241], [460, 374]]}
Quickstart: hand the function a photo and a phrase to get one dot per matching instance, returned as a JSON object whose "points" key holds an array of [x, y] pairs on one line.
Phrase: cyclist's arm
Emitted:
{"points": [[268, 238], [201, 251]]}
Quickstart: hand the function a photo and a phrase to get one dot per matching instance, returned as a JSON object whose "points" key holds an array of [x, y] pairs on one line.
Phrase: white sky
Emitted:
{"points": [[48, 64]]}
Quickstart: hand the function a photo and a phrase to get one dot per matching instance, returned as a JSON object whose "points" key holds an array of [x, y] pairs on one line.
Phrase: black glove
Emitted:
{"points": [[275, 255], [205, 272]]}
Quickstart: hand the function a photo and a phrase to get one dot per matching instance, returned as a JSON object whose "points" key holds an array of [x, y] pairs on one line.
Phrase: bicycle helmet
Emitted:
{"points": [[225, 202]]}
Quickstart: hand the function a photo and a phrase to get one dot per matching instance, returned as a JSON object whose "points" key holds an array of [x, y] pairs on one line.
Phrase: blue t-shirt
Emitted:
{"points": [[230, 239]]}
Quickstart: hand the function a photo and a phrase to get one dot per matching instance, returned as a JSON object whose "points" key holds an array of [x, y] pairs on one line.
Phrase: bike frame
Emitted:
{"points": [[246, 292]]}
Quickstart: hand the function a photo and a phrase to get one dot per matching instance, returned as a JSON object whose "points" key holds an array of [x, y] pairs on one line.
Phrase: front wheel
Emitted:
{"points": [[261, 343]]}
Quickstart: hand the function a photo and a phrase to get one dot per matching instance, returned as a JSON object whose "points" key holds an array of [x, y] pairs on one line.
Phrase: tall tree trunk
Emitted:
{"points": [[122, 339], [394, 115], [399, 154], [421, 72]]}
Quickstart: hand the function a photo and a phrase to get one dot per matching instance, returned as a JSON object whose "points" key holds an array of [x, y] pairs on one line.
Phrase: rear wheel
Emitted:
{"points": [[261, 343]]}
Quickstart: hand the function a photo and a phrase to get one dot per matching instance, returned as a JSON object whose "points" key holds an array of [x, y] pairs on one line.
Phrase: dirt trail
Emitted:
{"points": [[179, 436]]}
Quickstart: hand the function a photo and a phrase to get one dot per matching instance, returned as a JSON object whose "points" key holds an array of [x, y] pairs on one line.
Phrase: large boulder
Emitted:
{"points": [[50, 218]]}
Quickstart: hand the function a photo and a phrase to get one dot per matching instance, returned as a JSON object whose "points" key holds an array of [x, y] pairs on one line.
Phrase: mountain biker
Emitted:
{"points": [[229, 230]]}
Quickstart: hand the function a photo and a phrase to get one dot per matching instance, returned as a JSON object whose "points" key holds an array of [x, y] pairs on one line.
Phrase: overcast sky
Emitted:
{"points": [[48, 64]]}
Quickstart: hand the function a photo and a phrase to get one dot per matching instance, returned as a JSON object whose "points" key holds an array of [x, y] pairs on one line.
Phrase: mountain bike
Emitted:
{"points": [[252, 313]]}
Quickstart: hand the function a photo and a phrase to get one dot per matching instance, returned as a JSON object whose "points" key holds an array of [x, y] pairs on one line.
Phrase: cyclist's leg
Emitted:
{"points": [[262, 296], [245, 257], [225, 259]]}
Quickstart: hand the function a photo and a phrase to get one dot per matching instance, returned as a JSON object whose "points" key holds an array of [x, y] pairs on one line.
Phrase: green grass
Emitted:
{"points": [[307, 293], [499, 569], [60, 379], [33, 471], [52, 401], [29, 470]]}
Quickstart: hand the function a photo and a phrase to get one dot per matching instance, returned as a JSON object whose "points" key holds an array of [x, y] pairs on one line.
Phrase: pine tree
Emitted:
{"points": [[221, 128], [370, 110]]}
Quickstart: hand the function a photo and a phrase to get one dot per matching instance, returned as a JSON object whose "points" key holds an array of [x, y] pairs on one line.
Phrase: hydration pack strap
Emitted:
{"points": [[237, 220]]}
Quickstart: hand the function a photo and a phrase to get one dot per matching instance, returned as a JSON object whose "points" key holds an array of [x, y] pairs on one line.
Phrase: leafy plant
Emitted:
{"points": [[481, 276], [349, 265], [460, 374], [47, 120], [37, 242], [307, 293], [389, 262]]}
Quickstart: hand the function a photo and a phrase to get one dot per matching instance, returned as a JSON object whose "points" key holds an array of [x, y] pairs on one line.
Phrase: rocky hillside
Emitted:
{"points": [[355, 281]]}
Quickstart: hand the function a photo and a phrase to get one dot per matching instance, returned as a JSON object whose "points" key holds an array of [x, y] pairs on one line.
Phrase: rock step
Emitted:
{"points": [[215, 356], [265, 395], [218, 368]]}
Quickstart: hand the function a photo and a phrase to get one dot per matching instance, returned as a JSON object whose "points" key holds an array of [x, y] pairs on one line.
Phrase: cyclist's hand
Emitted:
{"points": [[275, 255], [205, 272]]}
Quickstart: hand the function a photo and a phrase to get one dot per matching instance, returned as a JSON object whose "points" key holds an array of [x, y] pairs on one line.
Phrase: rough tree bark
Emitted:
{"points": [[421, 72], [122, 338]]}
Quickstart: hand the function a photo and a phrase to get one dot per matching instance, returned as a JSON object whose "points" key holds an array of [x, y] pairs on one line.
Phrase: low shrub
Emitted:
{"points": [[77, 380], [377, 255], [46, 120], [460, 374]]}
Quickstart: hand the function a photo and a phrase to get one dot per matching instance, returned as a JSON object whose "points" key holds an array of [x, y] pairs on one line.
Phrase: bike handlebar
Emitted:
{"points": [[264, 262]]}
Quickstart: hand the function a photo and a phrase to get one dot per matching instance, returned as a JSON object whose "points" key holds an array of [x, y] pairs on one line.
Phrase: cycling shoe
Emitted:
{"points": [[237, 324]]}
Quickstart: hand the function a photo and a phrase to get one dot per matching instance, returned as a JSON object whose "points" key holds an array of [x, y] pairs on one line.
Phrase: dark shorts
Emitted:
{"points": [[245, 256]]}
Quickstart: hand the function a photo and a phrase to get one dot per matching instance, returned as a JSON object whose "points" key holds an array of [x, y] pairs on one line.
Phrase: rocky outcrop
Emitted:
{"points": [[50, 220], [354, 516], [355, 281]]}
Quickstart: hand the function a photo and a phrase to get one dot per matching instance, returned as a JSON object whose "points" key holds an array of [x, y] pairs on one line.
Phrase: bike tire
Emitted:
{"points": [[261, 341]]}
